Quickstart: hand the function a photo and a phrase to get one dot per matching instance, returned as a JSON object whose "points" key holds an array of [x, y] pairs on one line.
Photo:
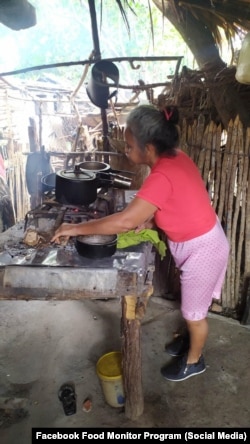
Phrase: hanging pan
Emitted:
{"points": [[98, 86]]}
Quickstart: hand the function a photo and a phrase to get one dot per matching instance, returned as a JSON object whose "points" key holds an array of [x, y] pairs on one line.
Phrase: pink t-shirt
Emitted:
{"points": [[176, 188]]}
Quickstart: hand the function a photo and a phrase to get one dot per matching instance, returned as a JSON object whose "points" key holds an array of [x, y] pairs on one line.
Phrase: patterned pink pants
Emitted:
{"points": [[202, 262]]}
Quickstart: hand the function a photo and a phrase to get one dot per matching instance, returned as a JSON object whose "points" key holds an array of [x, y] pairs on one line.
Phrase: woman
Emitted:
{"points": [[174, 198]]}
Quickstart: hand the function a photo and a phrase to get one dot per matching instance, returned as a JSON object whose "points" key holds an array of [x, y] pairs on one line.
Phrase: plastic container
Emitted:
{"points": [[109, 371], [243, 65]]}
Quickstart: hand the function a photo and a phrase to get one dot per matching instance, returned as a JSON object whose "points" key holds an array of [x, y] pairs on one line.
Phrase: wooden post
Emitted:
{"points": [[133, 310]]}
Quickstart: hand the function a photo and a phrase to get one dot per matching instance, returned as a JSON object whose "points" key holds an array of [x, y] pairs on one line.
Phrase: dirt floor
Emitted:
{"points": [[44, 344]]}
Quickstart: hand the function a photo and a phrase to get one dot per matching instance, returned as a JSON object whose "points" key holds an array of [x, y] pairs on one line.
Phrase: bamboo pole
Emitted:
{"points": [[244, 234], [218, 156], [207, 160], [223, 184], [184, 136], [240, 207], [202, 153], [247, 233], [199, 137], [231, 200], [192, 140], [211, 175]]}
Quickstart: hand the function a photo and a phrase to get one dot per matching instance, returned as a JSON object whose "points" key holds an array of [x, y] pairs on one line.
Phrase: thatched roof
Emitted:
{"points": [[231, 16]]}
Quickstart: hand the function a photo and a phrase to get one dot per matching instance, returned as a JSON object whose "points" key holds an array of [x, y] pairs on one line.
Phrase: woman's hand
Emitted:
{"points": [[66, 231]]}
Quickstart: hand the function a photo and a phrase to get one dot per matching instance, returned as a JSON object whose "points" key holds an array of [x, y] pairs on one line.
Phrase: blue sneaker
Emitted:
{"points": [[179, 370], [179, 346]]}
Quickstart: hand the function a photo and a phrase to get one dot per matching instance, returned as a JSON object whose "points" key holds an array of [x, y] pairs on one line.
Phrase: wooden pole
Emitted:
{"points": [[133, 310], [97, 56]]}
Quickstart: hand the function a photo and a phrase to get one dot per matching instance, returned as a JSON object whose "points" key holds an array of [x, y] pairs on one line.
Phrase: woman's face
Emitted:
{"points": [[132, 150]]}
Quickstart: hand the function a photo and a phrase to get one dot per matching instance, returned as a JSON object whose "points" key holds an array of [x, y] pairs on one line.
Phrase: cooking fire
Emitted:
{"points": [[41, 222]]}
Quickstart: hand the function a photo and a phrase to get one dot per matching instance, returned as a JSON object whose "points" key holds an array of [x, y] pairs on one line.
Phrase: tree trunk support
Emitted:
{"points": [[133, 311]]}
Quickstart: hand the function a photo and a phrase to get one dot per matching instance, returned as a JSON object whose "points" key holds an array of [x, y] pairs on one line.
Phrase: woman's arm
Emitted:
{"points": [[135, 214]]}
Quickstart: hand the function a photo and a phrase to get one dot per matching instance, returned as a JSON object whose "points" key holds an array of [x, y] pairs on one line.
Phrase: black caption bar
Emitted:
{"points": [[80, 435]]}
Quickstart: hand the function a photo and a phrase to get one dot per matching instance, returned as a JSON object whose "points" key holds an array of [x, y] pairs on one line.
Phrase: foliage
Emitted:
{"points": [[63, 33], [226, 20]]}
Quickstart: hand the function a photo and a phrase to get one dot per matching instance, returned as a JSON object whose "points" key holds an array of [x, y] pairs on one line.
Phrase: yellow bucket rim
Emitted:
{"points": [[109, 366]]}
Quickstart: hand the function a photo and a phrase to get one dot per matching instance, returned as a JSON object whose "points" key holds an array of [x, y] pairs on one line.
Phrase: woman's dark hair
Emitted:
{"points": [[159, 127]]}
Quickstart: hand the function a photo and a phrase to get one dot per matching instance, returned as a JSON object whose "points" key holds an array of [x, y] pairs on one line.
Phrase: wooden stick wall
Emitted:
{"points": [[16, 180], [225, 170]]}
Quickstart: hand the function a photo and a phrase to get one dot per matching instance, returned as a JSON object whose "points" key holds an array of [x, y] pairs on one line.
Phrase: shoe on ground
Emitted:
{"points": [[67, 396], [179, 346], [179, 370]]}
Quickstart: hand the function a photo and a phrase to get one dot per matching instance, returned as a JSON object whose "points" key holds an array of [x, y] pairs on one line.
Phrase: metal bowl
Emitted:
{"points": [[96, 246], [94, 166], [97, 239]]}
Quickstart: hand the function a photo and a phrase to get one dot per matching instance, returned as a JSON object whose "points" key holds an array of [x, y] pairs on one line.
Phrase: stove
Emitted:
{"points": [[32, 267], [46, 218]]}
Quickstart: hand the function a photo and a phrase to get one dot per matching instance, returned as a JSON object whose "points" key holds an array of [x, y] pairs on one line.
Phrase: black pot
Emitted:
{"points": [[98, 88], [76, 187], [96, 246]]}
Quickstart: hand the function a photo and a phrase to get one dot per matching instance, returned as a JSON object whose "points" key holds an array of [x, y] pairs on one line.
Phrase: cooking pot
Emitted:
{"points": [[76, 187], [98, 88], [106, 175], [96, 246], [48, 182], [79, 186], [94, 166], [102, 167]]}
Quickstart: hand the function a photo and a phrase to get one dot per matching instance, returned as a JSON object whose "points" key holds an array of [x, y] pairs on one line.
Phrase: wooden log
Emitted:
{"points": [[133, 310], [131, 359]]}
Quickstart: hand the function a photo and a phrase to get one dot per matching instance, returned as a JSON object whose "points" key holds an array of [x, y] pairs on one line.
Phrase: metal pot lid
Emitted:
{"points": [[76, 175]]}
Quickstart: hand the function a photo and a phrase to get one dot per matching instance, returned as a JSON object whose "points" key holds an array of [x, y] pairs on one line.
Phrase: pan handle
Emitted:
{"points": [[115, 180], [122, 172]]}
